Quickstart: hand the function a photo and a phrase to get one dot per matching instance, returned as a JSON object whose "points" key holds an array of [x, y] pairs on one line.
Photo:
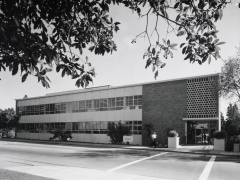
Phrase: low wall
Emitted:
{"points": [[94, 138]]}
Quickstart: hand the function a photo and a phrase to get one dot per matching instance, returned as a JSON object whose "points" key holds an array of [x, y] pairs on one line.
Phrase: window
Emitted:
{"points": [[40, 128], [63, 125], [89, 105], [69, 107], [75, 107], [81, 127], [31, 127], [36, 110], [63, 108], [96, 104], [138, 101], [103, 104], [75, 126], [51, 127], [46, 127], [129, 124], [32, 109], [28, 110], [41, 109], [21, 110], [95, 127], [103, 127], [82, 106], [129, 102], [88, 128], [57, 108], [119, 103], [36, 127], [49, 108], [68, 126], [111, 104], [137, 127]]}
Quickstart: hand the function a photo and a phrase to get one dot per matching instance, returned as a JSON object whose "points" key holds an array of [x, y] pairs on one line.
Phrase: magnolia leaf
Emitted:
{"points": [[91, 48], [168, 42], [153, 51], [176, 5], [182, 45], [163, 65], [180, 33], [215, 41], [220, 43], [15, 68], [153, 68], [24, 77], [209, 59], [188, 56], [156, 74]]}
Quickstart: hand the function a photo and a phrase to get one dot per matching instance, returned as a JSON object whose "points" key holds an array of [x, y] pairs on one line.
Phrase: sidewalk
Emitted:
{"points": [[195, 149]]}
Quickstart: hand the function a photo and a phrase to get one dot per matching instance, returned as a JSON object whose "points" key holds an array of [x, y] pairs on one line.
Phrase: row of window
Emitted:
{"points": [[95, 127], [106, 104]]}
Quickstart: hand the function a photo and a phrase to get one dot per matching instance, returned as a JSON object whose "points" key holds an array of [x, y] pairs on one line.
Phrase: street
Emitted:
{"points": [[42, 161]]}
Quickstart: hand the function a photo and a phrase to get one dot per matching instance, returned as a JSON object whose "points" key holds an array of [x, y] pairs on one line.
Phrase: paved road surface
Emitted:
{"points": [[69, 163]]}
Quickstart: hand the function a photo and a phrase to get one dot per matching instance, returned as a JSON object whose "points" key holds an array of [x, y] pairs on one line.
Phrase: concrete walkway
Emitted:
{"points": [[195, 149]]}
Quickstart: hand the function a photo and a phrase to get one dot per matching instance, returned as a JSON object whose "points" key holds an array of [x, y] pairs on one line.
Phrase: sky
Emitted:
{"points": [[126, 65]]}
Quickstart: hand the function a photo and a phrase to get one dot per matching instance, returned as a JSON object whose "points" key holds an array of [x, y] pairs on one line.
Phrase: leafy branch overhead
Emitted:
{"points": [[37, 36]]}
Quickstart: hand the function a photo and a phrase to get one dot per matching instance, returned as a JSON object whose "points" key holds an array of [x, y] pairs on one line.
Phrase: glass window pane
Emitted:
{"points": [[57, 108], [137, 100], [89, 105], [111, 104], [119, 103], [70, 107], [42, 109], [103, 104], [129, 100], [75, 106], [82, 106], [96, 104], [36, 110]]}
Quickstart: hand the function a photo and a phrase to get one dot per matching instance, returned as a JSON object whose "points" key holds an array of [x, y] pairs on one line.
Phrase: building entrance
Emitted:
{"points": [[198, 132], [201, 135]]}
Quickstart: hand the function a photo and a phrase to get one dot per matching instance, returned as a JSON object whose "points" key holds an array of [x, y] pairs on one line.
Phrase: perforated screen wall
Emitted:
{"points": [[202, 97]]}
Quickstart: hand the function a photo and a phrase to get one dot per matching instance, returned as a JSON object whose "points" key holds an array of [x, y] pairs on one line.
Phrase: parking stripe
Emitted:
{"points": [[134, 162], [207, 169]]}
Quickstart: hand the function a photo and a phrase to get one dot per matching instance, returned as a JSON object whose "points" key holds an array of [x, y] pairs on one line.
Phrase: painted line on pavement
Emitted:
{"points": [[134, 162], [207, 169]]}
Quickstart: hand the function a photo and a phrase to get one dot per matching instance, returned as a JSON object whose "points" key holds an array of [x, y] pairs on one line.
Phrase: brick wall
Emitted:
{"points": [[164, 105]]}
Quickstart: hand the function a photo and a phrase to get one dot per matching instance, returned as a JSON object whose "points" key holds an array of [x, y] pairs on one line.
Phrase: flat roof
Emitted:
{"points": [[99, 88]]}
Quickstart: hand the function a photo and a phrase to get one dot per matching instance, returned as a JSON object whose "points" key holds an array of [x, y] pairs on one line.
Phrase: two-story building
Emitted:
{"points": [[188, 105]]}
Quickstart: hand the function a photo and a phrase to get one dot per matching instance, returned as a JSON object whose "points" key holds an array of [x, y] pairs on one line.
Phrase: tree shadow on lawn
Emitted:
{"points": [[200, 157], [111, 153], [187, 157]]}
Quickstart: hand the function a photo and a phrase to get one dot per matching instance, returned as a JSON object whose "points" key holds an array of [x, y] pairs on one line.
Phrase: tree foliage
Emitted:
{"points": [[8, 119], [230, 77], [116, 131], [232, 126], [37, 36], [149, 128]]}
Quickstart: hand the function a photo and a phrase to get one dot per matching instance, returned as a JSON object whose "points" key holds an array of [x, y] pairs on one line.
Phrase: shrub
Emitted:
{"points": [[219, 135], [172, 133], [116, 131]]}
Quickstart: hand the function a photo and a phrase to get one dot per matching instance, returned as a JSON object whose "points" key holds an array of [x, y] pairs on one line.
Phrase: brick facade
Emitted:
{"points": [[164, 106]]}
